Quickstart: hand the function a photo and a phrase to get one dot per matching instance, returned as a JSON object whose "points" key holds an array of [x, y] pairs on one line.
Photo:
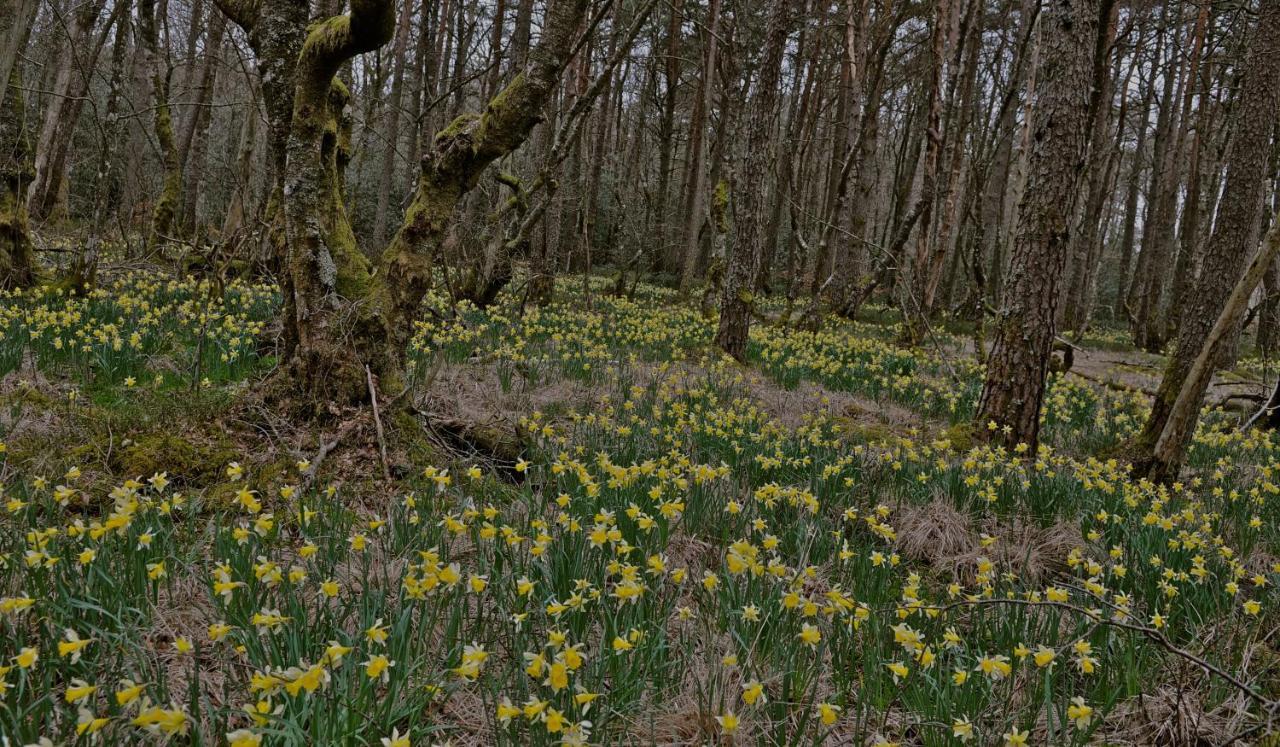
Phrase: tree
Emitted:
{"points": [[17, 263], [169, 202], [736, 302], [1013, 391], [340, 316], [1234, 235]]}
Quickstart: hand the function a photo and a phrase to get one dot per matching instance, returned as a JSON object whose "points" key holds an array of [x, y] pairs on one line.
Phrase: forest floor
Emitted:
{"points": [[584, 526]]}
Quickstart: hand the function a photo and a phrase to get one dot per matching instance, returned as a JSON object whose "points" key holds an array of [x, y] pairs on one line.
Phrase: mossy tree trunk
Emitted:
{"points": [[340, 315], [326, 269], [167, 204], [1014, 389], [450, 168]]}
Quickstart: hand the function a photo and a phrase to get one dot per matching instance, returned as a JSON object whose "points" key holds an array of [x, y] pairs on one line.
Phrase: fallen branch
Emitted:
{"points": [[377, 422]]}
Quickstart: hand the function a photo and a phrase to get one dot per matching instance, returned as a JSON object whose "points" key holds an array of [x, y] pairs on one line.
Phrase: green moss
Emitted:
{"points": [[961, 436], [325, 36], [862, 432], [410, 438], [460, 124], [353, 280], [187, 462]]}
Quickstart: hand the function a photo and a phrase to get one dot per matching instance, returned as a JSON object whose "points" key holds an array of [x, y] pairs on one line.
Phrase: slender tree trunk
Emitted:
{"points": [[916, 300], [195, 139], [106, 191], [167, 204], [1014, 388], [386, 177], [1121, 307], [1088, 235], [16, 17], [695, 204], [60, 118], [17, 260], [1170, 450], [664, 229], [737, 301]]}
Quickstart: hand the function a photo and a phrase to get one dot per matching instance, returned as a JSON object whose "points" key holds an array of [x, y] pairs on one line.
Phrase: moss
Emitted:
{"points": [[460, 124], [352, 280], [410, 438], [870, 433], [961, 436], [720, 205], [187, 462], [323, 37]]}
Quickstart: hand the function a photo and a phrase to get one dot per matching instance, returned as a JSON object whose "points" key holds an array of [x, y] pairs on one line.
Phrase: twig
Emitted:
{"points": [[377, 423]]}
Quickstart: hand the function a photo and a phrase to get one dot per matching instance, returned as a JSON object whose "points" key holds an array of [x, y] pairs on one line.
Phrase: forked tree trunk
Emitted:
{"points": [[737, 299], [1023, 341]]}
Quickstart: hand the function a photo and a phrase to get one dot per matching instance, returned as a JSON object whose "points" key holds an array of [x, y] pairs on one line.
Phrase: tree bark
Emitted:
{"points": [[916, 300], [458, 156], [695, 205], [737, 300], [386, 177], [195, 140], [1013, 392], [71, 86], [165, 213], [1234, 235], [17, 260]]}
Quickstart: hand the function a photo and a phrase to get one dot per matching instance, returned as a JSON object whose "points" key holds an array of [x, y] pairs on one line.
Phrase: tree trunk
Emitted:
{"points": [[459, 155], [80, 54], [1165, 460], [16, 17], [1234, 235], [695, 204], [17, 261], [1014, 388], [1088, 236], [386, 177], [737, 301], [663, 228], [167, 204], [195, 140], [916, 301], [106, 186]]}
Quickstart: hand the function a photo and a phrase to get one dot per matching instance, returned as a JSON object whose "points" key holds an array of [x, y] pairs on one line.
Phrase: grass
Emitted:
{"points": [[679, 557]]}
